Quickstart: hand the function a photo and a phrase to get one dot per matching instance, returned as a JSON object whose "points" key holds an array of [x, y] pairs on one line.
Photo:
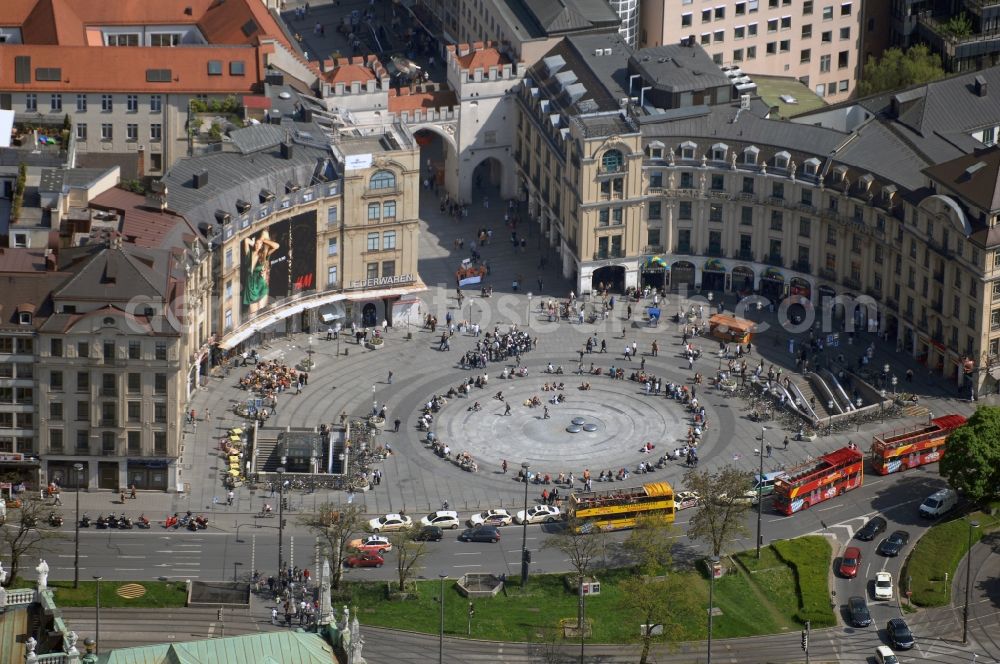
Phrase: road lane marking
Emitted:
{"points": [[457, 566], [467, 553], [68, 555], [134, 557], [128, 569]]}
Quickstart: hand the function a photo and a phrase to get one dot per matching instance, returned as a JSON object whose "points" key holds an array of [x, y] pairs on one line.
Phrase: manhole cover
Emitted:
{"points": [[574, 428], [578, 420], [131, 591], [590, 427]]}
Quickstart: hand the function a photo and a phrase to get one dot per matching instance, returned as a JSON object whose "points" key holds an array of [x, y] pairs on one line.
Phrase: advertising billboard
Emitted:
{"points": [[277, 262]]}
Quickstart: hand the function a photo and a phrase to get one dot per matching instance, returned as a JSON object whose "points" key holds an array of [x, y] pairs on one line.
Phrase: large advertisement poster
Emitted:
{"points": [[278, 262]]}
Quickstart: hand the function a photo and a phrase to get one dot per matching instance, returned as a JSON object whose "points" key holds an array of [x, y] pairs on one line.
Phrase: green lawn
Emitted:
{"points": [[809, 558], [753, 598], [159, 594], [939, 552]]}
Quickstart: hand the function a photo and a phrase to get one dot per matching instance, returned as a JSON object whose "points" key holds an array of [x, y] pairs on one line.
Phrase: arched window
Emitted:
{"points": [[612, 161], [383, 180]]}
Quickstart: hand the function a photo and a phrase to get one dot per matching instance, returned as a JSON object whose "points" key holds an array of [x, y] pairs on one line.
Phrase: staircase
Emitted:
{"points": [[915, 411], [820, 403], [267, 457]]}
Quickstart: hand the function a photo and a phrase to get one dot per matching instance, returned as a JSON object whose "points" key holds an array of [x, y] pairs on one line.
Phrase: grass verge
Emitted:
{"points": [[938, 554], [762, 597], [159, 594], [809, 558]]}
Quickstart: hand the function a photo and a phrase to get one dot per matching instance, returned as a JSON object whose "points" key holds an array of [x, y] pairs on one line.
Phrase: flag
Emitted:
{"points": [[469, 281]]}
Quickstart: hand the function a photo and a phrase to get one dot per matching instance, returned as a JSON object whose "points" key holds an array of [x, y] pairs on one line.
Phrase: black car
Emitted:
{"points": [[857, 607], [868, 531], [429, 534], [480, 534], [894, 543], [899, 634]]}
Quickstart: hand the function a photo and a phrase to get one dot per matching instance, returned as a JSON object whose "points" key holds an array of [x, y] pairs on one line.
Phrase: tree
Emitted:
{"points": [[720, 517], [897, 69], [409, 552], [650, 543], [580, 552], [971, 462], [26, 531], [958, 26], [662, 605], [335, 526]]}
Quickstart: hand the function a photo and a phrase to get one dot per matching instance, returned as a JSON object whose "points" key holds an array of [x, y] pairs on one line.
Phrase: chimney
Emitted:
{"points": [[286, 151], [200, 179], [980, 85]]}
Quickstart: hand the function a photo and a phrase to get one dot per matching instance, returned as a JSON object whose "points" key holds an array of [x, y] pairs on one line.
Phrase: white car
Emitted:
{"points": [[389, 522], [883, 585], [539, 514], [442, 519], [685, 499], [749, 497], [885, 655], [498, 517]]}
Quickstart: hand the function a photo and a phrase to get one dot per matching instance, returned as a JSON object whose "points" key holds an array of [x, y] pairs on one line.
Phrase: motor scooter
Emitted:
{"points": [[85, 521], [142, 522], [55, 520], [101, 522]]}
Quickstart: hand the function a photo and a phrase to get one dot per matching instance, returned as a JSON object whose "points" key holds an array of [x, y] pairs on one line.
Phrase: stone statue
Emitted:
{"points": [[345, 620], [356, 647], [763, 169], [704, 161], [670, 179], [30, 645], [701, 181], [71, 640], [43, 574], [3, 597], [325, 607], [3, 574], [671, 158], [791, 169], [732, 161]]}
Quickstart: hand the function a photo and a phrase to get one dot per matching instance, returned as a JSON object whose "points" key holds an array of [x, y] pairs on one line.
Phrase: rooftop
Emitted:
{"points": [[975, 177], [772, 89], [678, 68]]}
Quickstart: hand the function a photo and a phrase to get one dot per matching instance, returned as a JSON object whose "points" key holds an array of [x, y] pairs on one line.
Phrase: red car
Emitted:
{"points": [[850, 562], [365, 560]]}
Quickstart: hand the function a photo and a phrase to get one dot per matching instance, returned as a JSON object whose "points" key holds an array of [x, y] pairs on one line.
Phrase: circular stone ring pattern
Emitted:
{"points": [[616, 420]]}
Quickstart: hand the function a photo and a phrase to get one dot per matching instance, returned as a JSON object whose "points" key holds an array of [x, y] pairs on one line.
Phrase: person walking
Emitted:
{"points": [[503, 466], [395, 425], [545, 413], [786, 442], [390, 378], [507, 410], [768, 449]]}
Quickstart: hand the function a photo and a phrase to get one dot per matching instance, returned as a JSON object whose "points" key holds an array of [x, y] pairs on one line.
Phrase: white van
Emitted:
{"points": [[939, 503]]}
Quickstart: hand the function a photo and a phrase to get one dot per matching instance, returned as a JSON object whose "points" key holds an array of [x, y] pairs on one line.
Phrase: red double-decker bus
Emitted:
{"points": [[909, 448], [819, 479]]}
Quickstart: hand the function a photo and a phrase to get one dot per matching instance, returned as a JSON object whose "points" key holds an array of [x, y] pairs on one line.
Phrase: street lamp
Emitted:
{"points": [[829, 407], [760, 489], [858, 402], [894, 381], [442, 576], [281, 517], [76, 548], [374, 402], [97, 625], [968, 584], [524, 529], [713, 563], [882, 405]]}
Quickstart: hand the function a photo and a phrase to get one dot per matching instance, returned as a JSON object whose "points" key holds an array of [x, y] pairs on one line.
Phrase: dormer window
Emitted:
{"points": [[655, 150], [24, 318], [781, 159], [811, 166], [750, 155], [109, 321], [688, 149], [612, 162], [839, 173], [719, 152]]}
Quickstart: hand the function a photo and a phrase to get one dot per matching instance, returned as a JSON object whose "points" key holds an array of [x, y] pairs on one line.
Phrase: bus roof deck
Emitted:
{"points": [[918, 433], [820, 464], [595, 498]]}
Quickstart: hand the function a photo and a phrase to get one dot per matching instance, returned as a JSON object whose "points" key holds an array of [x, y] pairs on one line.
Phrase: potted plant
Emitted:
{"points": [[374, 343]]}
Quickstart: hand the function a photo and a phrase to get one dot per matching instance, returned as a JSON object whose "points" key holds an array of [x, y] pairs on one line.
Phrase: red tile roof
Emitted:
{"points": [[404, 101], [21, 260], [53, 22], [484, 59], [115, 12], [143, 226], [86, 68], [359, 69]]}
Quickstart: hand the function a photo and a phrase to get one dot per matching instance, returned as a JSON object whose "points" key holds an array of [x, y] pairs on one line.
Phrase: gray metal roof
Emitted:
{"points": [[233, 176], [877, 150], [258, 137], [558, 16], [679, 68]]}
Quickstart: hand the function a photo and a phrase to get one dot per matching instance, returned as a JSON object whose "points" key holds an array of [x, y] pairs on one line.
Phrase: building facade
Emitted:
{"points": [[863, 201], [815, 42], [964, 33]]}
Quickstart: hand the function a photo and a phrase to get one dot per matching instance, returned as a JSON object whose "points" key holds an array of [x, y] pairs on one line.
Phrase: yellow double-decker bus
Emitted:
{"points": [[615, 509]]}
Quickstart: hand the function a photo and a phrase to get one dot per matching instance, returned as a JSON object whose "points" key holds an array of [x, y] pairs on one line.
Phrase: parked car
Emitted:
{"points": [[372, 544], [685, 499], [857, 609], [497, 517], [939, 503], [894, 543], [441, 519], [766, 481], [899, 634], [389, 522], [850, 562], [883, 585], [365, 560], [748, 497], [480, 534], [875, 525], [539, 514], [429, 534], [884, 655]]}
